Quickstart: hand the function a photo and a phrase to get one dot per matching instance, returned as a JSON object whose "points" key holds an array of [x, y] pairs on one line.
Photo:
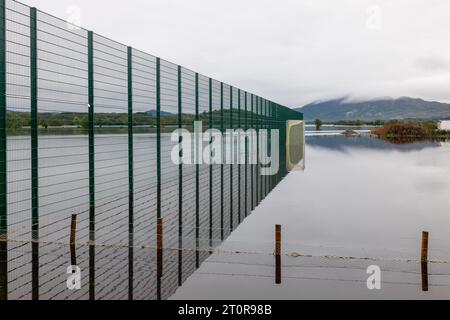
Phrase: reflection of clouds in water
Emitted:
{"points": [[428, 171], [343, 144], [432, 185], [432, 171], [363, 202], [371, 198]]}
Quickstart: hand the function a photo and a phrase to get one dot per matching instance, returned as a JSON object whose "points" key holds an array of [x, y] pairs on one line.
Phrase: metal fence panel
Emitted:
{"points": [[86, 128]]}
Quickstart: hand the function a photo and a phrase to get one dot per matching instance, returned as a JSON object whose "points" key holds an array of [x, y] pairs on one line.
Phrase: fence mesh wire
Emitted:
{"points": [[85, 129]]}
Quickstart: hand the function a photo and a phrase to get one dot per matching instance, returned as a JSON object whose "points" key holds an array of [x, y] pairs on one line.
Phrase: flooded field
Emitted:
{"points": [[360, 202]]}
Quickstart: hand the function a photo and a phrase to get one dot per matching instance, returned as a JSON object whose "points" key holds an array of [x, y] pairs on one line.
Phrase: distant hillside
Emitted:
{"points": [[381, 109], [153, 112]]}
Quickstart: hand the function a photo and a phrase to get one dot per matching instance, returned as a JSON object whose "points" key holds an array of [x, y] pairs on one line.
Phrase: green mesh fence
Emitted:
{"points": [[85, 129]]}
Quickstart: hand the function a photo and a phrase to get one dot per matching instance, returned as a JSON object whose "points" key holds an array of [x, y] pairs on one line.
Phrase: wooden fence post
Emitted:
{"points": [[159, 233], [73, 237], [278, 254], [424, 246], [424, 261]]}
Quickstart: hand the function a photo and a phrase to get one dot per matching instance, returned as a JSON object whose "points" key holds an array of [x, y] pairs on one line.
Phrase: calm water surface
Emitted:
{"points": [[358, 198], [360, 201]]}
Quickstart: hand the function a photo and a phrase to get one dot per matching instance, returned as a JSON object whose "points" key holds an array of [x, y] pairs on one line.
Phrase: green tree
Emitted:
{"points": [[43, 123], [14, 121], [55, 122], [81, 122], [85, 122], [318, 124]]}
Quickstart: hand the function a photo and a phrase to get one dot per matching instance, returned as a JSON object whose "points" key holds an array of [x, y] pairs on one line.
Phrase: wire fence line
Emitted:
{"points": [[85, 127]]}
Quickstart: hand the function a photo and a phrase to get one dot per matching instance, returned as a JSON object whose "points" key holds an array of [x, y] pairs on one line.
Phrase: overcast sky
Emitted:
{"points": [[290, 51]]}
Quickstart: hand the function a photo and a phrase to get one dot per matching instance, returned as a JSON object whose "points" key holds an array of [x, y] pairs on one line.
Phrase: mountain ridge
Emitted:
{"points": [[376, 109]]}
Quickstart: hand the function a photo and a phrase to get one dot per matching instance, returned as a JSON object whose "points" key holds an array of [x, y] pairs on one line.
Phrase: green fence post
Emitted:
{"points": [[238, 156], [246, 157], [269, 127], [158, 160], [257, 152], [279, 128], [158, 137], [210, 170], [274, 126], [271, 141], [282, 121], [197, 178], [260, 178], [221, 165], [130, 176], [3, 159], [91, 139], [255, 114], [261, 127], [269, 151], [230, 148], [34, 155], [267, 143], [279, 118], [261, 144], [269, 120], [180, 183], [251, 164], [266, 126]]}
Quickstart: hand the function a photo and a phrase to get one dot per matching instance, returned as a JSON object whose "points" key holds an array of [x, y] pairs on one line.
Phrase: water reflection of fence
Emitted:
{"points": [[400, 276], [243, 261], [84, 125]]}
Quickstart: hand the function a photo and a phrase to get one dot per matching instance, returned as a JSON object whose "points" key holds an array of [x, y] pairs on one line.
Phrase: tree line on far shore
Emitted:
{"points": [[19, 120]]}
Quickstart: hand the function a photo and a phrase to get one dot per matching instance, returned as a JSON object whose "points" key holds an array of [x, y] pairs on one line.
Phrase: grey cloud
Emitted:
{"points": [[432, 63], [290, 51]]}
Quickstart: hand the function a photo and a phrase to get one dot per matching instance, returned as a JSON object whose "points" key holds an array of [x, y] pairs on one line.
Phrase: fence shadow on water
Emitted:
{"points": [[85, 127]]}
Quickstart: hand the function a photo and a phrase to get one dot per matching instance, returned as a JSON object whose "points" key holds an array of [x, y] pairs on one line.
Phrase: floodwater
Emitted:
{"points": [[360, 202], [123, 262]]}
